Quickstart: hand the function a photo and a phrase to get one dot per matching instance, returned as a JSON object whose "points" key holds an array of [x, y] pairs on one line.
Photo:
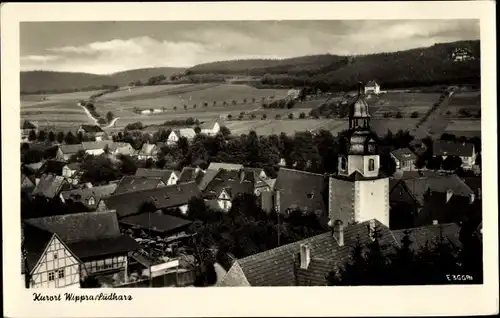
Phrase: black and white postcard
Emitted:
{"points": [[169, 152]]}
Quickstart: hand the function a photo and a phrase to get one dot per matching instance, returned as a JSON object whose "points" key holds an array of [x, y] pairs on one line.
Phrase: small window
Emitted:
{"points": [[60, 273], [51, 276], [55, 255], [371, 165], [343, 163]]}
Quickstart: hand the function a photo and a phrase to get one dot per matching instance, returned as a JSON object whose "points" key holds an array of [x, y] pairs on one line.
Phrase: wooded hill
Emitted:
{"points": [[421, 66], [53, 82]]}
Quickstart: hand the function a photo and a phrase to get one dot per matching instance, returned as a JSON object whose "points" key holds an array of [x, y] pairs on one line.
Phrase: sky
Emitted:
{"points": [[108, 47]]}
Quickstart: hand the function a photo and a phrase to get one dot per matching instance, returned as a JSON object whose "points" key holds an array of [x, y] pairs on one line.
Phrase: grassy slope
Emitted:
{"points": [[33, 81]]}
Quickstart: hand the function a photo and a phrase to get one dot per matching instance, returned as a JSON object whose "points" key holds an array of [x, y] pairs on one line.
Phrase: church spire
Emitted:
{"points": [[359, 116]]}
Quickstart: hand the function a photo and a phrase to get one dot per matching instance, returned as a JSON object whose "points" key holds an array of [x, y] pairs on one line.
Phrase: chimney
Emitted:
{"points": [[435, 222], [472, 197], [449, 193], [338, 232], [305, 256]]}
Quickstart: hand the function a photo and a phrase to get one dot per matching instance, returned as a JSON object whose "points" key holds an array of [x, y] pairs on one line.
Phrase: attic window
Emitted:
{"points": [[371, 165]]}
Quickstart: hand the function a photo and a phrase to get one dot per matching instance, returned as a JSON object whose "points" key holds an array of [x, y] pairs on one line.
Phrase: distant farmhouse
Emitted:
{"points": [[27, 127], [461, 55], [465, 151], [405, 159], [92, 131], [372, 87]]}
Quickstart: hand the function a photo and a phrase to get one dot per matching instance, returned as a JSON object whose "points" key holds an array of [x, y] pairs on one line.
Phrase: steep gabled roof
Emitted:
{"points": [[418, 187], [49, 185], [35, 242], [147, 149], [135, 183], [277, 267], [77, 227], [87, 234], [83, 195], [71, 149], [431, 233], [30, 124], [163, 174], [190, 174], [233, 181], [95, 145], [164, 197], [300, 189], [208, 124], [451, 148]]}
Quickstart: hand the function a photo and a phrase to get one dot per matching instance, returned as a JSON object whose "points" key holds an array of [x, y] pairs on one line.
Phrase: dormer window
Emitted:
{"points": [[371, 164], [91, 201]]}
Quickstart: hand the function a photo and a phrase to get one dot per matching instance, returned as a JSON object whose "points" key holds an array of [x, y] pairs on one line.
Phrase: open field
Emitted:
{"points": [[405, 103], [464, 125], [141, 90]]}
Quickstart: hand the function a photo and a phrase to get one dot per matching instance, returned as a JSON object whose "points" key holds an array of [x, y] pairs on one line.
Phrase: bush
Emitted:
{"points": [[134, 126], [264, 116], [414, 115], [302, 115], [252, 116], [290, 116], [387, 114], [229, 116], [399, 115], [278, 116]]}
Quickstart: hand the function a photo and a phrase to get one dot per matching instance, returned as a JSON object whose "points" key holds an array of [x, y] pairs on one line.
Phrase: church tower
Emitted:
{"points": [[359, 192]]}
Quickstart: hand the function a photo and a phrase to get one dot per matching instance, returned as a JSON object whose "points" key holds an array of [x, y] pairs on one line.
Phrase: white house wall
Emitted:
{"points": [[56, 258]]}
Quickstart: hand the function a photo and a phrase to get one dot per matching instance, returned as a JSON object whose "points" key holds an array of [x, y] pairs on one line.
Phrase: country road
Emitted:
{"points": [[96, 122]]}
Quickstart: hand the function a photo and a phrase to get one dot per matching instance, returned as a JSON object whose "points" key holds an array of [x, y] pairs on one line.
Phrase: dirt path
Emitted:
{"points": [[96, 122]]}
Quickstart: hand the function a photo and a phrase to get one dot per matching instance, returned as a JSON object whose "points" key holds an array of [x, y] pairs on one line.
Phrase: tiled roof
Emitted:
{"points": [[419, 186], [189, 133], [475, 183], [233, 181], [300, 189], [208, 176], [130, 203], [34, 167], [450, 148], [95, 145], [49, 186], [189, 174], [156, 222], [105, 246], [91, 128], [430, 233], [135, 183], [208, 124], [71, 149], [83, 195], [78, 227], [404, 154], [225, 166], [147, 149], [52, 167], [163, 174], [371, 83], [403, 175], [277, 267], [444, 209]]}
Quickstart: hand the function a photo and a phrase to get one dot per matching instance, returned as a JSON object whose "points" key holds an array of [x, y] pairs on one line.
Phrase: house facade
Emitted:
{"points": [[148, 151], [405, 159], [465, 151], [65, 152], [372, 87], [92, 131], [56, 266], [169, 177], [210, 128], [71, 172]]}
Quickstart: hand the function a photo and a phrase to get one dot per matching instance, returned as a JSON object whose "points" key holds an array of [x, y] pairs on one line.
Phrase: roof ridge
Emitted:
{"points": [[301, 171], [154, 189]]}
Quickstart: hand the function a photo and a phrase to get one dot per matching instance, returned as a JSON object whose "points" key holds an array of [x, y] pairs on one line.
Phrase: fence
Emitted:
{"points": [[173, 279]]}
